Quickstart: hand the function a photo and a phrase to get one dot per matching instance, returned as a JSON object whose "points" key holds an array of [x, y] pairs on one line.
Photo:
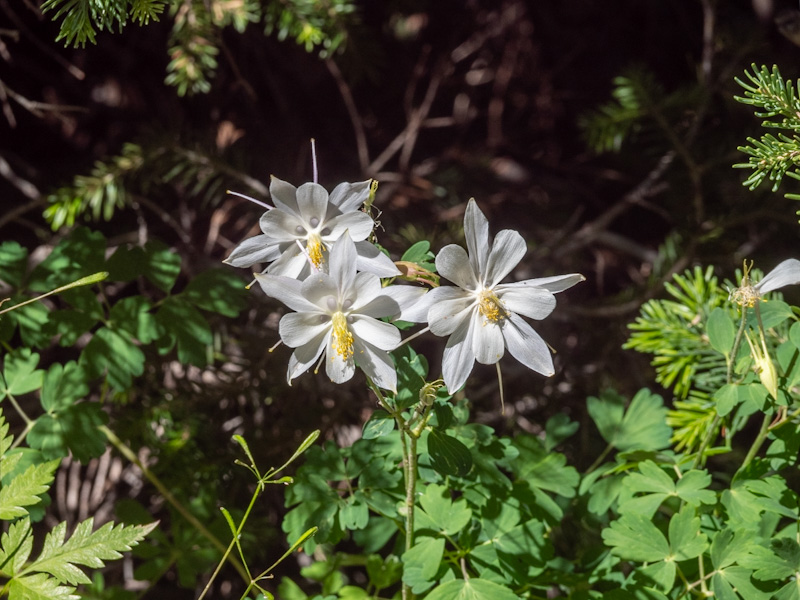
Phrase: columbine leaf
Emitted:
{"points": [[780, 561], [471, 589], [685, 538], [133, 315], [448, 455], [721, 330], [39, 586], [558, 428], [447, 516], [380, 423], [634, 537], [421, 563], [20, 374], [59, 558], [543, 469], [642, 427], [658, 486], [25, 488]]}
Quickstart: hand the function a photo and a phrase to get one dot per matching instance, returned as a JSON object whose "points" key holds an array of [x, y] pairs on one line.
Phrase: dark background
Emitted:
{"points": [[487, 99]]}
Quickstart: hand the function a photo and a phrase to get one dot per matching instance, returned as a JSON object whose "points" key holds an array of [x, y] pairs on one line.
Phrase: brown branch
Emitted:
{"points": [[352, 111]]}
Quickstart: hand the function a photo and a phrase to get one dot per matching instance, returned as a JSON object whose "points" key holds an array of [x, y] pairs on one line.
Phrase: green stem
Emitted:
{"points": [[600, 459], [758, 442], [169, 497], [234, 542], [97, 277], [409, 444], [737, 342]]}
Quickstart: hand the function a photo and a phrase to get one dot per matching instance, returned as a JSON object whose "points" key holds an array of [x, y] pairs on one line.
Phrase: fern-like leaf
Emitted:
{"points": [[15, 547], [25, 488], [39, 586], [60, 557]]}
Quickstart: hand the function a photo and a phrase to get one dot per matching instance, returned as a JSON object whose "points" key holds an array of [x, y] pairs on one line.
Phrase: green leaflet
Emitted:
{"points": [[641, 427]]}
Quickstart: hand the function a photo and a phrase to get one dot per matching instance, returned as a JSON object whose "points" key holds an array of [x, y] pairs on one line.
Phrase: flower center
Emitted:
{"points": [[491, 307], [342, 338], [314, 247]]}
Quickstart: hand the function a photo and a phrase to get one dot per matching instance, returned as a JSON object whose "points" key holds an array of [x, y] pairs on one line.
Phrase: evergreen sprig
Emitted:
{"points": [[83, 18], [772, 157]]}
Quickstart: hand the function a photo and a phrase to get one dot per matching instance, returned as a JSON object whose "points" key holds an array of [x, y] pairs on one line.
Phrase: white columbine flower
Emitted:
{"points": [[337, 314], [786, 273], [300, 229], [482, 316]]}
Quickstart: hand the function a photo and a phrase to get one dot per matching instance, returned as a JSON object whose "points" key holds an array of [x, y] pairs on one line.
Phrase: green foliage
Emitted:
{"points": [[778, 102], [674, 331], [640, 106], [197, 28], [83, 18], [132, 177], [56, 570]]}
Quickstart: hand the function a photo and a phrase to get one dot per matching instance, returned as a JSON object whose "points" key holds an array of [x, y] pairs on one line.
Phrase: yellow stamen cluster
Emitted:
{"points": [[342, 338], [315, 248], [746, 296], [491, 307]]}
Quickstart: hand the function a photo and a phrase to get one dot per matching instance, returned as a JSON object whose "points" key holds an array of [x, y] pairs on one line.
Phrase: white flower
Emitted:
{"points": [[786, 273], [481, 315], [299, 231], [337, 313]]}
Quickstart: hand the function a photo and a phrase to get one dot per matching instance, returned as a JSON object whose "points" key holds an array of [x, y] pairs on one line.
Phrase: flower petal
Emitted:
{"points": [[378, 333], [555, 284], [453, 263], [284, 195], [282, 226], [306, 356], [446, 316], [366, 287], [258, 249], [342, 264], [476, 232], [377, 364], [487, 342], [395, 302], [350, 196], [297, 329], [458, 358], [319, 288], [418, 312], [358, 224], [533, 302], [786, 273], [372, 260], [527, 346], [338, 367], [508, 249], [312, 201], [292, 263], [287, 290]]}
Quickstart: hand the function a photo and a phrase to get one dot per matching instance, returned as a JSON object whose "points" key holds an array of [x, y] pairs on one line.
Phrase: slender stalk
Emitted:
{"points": [[600, 459], [737, 342], [83, 281], [408, 440], [169, 497], [758, 442]]}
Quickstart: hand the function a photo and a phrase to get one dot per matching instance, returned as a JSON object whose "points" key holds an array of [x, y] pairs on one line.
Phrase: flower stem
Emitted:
{"points": [[758, 442]]}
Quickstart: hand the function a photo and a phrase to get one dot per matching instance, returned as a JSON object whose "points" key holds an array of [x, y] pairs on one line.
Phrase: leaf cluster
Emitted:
{"points": [[772, 156], [197, 28]]}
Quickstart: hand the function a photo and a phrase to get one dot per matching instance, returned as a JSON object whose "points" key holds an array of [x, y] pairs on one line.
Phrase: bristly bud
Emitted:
{"points": [[764, 366]]}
